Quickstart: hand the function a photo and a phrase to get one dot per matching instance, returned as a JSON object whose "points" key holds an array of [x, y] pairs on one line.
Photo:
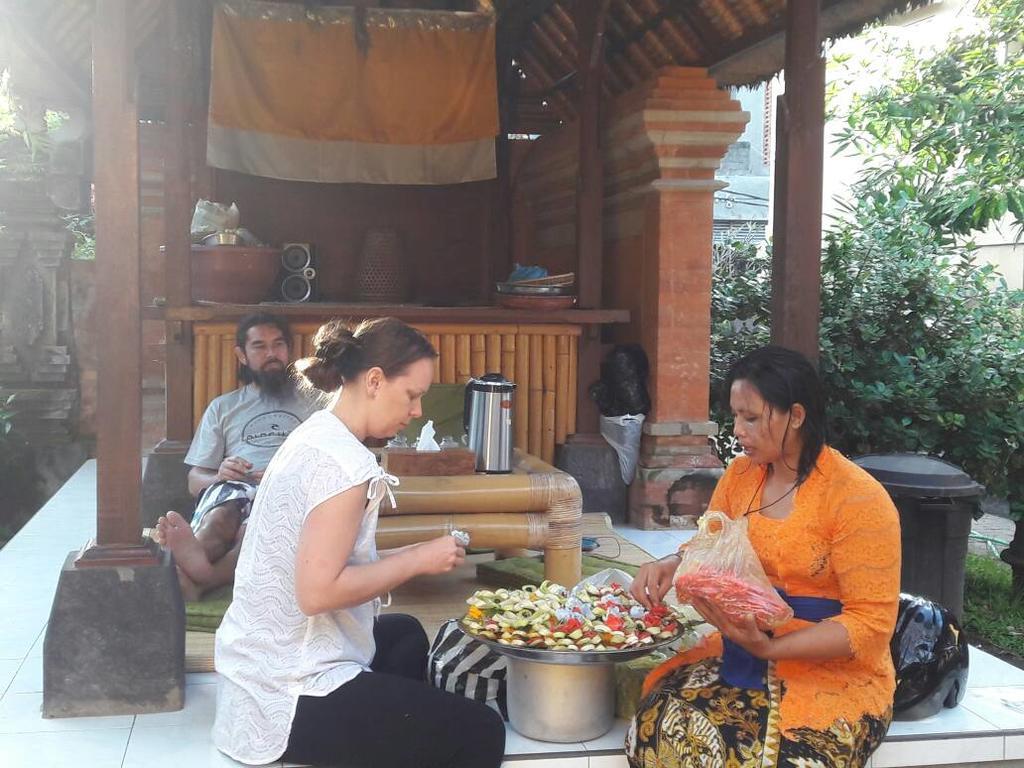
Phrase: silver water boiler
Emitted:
{"points": [[488, 421]]}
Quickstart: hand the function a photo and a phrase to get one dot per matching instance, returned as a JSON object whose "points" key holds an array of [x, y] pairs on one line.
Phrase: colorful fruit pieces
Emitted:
{"points": [[593, 619]]}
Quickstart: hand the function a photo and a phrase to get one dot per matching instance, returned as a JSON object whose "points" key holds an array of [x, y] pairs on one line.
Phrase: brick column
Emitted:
{"points": [[664, 141]]}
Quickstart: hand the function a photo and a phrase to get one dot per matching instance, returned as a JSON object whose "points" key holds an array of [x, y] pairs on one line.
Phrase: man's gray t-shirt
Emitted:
{"points": [[247, 424]]}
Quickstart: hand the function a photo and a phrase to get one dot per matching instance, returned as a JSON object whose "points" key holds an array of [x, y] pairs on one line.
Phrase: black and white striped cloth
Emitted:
{"points": [[459, 664], [221, 493]]}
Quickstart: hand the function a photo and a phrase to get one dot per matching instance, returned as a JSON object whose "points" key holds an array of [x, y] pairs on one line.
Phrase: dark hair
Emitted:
{"points": [[340, 354], [784, 378], [252, 320]]}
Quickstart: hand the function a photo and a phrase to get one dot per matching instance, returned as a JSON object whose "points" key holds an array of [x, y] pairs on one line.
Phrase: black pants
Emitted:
{"points": [[392, 718]]}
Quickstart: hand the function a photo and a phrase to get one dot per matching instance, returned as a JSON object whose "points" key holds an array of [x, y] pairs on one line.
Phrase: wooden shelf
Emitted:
{"points": [[408, 312]]}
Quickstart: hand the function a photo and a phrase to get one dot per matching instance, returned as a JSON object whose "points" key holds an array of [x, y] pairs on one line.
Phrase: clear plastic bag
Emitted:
{"points": [[720, 566], [209, 217], [623, 434], [604, 578]]}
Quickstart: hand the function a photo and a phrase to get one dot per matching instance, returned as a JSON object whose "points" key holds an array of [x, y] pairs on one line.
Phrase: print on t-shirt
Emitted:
{"points": [[268, 430]]}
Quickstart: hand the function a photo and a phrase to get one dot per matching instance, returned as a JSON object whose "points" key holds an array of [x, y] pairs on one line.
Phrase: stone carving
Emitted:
{"points": [[35, 332]]}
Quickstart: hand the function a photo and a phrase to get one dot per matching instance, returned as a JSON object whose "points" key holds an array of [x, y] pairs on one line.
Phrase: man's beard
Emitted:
{"points": [[274, 382]]}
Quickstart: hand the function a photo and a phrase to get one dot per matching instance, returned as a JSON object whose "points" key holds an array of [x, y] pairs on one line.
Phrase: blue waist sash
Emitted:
{"points": [[740, 669]]}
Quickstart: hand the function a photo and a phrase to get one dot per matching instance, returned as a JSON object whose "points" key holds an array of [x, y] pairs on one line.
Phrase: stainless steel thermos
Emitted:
{"points": [[488, 421]]}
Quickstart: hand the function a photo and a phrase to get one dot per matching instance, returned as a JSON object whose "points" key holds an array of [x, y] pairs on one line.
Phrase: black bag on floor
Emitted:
{"points": [[459, 664]]}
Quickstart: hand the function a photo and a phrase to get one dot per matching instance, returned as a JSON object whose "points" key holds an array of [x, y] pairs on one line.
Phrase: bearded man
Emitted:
{"points": [[239, 434]]}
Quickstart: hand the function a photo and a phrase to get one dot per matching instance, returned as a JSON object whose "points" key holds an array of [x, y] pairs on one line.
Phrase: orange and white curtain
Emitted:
{"points": [[325, 94]]}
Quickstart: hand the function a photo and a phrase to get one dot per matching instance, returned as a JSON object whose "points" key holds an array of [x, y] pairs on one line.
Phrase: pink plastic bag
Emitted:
{"points": [[720, 566]]}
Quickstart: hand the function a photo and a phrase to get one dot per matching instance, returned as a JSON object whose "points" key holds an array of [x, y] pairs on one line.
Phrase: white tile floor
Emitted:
{"points": [[987, 727]]}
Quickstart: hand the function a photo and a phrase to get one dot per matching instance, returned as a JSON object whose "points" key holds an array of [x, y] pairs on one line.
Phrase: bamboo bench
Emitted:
{"points": [[536, 506]]}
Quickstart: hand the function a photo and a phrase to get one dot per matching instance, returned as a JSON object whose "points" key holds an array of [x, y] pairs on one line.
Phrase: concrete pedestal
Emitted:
{"points": [[676, 476], [595, 466], [115, 642], [165, 483]]}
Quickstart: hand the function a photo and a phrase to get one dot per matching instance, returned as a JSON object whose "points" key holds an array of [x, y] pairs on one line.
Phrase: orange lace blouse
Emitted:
{"points": [[841, 541]]}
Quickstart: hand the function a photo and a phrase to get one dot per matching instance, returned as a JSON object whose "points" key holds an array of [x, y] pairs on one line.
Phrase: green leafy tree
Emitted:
{"points": [[946, 130]]}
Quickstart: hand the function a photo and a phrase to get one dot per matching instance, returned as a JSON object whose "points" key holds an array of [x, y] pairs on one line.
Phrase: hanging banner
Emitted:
{"points": [[332, 94]]}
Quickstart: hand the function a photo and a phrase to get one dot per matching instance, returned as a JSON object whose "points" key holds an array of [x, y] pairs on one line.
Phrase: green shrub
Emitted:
{"points": [[921, 349]]}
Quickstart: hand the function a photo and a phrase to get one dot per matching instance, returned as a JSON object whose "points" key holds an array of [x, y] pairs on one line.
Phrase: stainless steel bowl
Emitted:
{"points": [[227, 237], [514, 289], [545, 656]]}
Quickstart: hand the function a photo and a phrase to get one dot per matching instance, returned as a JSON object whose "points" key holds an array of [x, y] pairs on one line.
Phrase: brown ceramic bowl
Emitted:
{"points": [[234, 274]]}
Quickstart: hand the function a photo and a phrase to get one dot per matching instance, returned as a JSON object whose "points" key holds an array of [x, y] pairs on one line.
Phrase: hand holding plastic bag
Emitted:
{"points": [[719, 565]]}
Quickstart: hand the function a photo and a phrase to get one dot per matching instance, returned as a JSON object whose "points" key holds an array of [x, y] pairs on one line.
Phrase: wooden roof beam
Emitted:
{"points": [[515, 18], [559, 104], [543, 35], [623, 73], [729, 18], [635, 56], [565, 23], [649, 36], [683, 50], [710, 38]]}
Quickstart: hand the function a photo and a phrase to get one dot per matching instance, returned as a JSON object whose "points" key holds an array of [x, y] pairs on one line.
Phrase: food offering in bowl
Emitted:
{"points": [[591, 618]]}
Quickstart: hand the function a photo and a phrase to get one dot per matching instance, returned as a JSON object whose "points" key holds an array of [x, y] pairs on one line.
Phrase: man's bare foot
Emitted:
{"points": [[176, 535]]}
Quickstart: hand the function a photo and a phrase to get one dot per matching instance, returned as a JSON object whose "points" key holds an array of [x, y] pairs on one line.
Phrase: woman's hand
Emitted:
{"points": [[440, 555], [744, 632], [654, 580]]}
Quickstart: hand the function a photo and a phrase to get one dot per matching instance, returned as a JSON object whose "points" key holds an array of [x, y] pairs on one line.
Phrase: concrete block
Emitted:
{"points": [[671, 498], [595, 466], [115, 642], [165, 483], [669, 428]]}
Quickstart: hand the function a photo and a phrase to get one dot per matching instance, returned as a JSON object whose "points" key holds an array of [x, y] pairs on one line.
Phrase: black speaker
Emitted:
{"points": [[297, 279]]}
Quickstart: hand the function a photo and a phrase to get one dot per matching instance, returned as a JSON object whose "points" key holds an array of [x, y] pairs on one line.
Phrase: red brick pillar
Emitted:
{"points": [[664, 141]]}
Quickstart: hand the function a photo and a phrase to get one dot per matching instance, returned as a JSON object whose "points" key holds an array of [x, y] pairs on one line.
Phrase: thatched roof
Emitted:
{"points": [[741, 41]]}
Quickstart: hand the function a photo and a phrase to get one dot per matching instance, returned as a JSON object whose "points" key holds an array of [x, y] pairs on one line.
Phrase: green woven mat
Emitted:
{"points": [[516, 572], [206, 615], [629, 680]]}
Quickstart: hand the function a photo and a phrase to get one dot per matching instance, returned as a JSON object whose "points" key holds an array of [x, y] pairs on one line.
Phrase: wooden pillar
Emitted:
{"points": [[589, 17], [796, 267], [119, 406], [182, 73]]}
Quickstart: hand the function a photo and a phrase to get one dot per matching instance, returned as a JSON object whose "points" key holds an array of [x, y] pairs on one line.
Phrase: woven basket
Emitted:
{"points": [[382, 273]]}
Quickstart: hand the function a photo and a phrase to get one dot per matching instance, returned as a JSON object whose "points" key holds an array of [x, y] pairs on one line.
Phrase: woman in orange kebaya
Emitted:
{"points": [[818, 691]]}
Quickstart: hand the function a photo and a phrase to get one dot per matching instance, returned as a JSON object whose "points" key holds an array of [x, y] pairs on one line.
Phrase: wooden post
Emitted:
{"points": [[589, 17], [119, 406], [796, 279], [181, 78]]}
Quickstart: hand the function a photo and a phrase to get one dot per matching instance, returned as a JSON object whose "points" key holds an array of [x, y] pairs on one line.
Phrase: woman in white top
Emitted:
{"points": [[309, 672]]}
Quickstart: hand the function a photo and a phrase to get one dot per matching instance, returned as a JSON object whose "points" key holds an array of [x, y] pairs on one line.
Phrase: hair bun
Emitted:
{"points": [[333, 343]]}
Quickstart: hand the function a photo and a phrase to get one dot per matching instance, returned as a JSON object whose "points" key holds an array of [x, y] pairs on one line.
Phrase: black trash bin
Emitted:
{"points": [[936, 501]]}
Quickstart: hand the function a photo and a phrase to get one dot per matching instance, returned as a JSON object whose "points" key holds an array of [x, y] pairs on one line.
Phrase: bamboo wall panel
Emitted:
{"points": [[541, 359]]}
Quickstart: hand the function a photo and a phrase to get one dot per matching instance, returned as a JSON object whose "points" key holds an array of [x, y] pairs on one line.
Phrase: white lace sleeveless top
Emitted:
{"points": [[269, 653]]}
